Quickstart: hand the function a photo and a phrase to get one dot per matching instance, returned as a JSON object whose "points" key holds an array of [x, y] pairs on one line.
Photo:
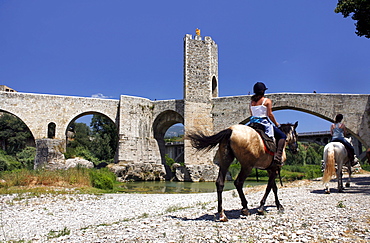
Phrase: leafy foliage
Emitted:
{"points": [[102, 179], [14, 134], [95, 143], [308, 154], [27, 157], [105, 138], [8, 162], [169, 161], [360, 11]]}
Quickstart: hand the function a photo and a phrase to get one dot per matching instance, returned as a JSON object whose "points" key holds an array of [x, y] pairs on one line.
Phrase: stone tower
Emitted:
{"points": [[200, 86]]}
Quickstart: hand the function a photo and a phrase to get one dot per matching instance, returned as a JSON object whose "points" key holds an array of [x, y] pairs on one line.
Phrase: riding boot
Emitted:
{"points": [[351, 157], [279, 152]]}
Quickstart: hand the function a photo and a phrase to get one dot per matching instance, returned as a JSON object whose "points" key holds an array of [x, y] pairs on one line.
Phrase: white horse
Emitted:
{"points": [[335, 157]]}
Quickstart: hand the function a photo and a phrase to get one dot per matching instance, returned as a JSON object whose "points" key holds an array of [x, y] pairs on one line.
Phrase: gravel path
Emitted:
{"points": [[310, 216]]}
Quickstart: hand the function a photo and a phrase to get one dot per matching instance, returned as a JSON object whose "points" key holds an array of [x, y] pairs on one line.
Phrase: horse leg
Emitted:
{"points": [[220, 183], [327, 190], [270, 184], [340, 178], [226, 156], [348, 183], [243, 174], [279, 207]]}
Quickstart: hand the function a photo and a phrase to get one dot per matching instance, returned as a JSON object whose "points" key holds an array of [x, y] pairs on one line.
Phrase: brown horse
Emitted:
{"points": [[246, 145]]}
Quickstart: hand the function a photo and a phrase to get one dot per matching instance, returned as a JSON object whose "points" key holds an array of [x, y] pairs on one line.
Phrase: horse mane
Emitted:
{"points": [[285, 128]]}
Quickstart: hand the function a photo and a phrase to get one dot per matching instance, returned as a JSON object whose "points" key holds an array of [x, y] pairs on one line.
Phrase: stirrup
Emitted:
{"points": [[278, 162]]}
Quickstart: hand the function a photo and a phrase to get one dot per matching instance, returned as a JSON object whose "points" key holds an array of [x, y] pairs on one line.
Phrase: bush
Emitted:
{"points": [[235, 167], [8, 162], [308, 171], [27, 157], [82, 153], [102, 179], [291, 176], [169, 161], [366, 167]]}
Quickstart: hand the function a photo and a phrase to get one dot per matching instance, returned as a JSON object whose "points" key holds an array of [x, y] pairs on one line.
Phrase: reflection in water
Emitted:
{"points": [[178, 187]]}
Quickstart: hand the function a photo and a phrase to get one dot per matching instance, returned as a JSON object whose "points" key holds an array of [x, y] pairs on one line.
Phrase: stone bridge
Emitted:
{"points": [[142, 123]]}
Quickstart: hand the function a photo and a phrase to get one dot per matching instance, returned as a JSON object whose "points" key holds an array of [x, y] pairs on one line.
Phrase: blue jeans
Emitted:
{"points": [[278, 134], [349, 147], [342, 140]]}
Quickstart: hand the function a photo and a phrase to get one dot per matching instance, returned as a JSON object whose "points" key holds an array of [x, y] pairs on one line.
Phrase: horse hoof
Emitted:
{"points": [[281, 209], [223, 217], [327, 191], [245, 212], [261, 211]]}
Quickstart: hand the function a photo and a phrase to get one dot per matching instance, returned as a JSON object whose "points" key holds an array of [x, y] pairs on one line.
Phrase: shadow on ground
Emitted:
{"points": [[231, 214], [359, 184]]}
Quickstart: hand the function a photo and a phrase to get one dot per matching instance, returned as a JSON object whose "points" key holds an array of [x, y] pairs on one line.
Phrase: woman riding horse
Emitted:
{"points": [[338, 131], [261, 110], [245, 144]]}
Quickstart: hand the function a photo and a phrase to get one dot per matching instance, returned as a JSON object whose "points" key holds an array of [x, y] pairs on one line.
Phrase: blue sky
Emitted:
{"points": [[108, 48]]}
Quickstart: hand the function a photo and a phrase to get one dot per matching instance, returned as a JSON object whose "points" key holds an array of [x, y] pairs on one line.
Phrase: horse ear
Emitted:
{"points": [[296, 124]]}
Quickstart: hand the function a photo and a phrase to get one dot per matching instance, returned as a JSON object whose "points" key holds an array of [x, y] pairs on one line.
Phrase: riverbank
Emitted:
{"points": [[310, 216]]}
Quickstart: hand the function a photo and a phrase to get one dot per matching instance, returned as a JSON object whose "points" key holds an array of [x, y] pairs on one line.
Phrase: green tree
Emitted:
{"points": [[14, 134], [105, 137], [82, 135], [360, 11]]}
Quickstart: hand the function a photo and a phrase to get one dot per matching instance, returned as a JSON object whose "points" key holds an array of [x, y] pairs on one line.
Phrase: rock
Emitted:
{"points": [[49, 153], [72, 163], [138, 171]]}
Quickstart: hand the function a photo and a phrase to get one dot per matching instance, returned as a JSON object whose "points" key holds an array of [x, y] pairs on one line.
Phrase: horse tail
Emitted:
{"points": [[329, 160], [200, 141]]}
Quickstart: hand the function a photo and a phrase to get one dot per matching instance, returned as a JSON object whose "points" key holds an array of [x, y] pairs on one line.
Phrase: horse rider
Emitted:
{"points": [[261, 110], [338, 131]]}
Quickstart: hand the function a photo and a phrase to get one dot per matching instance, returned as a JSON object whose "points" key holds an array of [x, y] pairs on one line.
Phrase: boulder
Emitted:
{"points": [[72, 163]]}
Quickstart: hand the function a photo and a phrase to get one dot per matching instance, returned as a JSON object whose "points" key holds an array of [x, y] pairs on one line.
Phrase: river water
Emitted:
{"points": [[179, 187]]}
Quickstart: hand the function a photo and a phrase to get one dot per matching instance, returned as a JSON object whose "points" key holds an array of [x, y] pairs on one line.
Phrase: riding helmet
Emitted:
{"points": [[259, 87]]}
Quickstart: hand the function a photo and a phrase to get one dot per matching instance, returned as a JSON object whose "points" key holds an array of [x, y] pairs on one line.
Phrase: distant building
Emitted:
{"points": [[5, 88]]}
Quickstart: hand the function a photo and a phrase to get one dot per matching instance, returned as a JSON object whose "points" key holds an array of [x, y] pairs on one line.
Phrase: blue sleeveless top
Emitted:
{"points": [[337, 131]]}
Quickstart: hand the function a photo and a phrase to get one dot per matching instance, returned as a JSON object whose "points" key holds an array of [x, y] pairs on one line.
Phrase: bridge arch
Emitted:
{"points": [[30, 141], [23, 118], [86, 113], [161, 123]]}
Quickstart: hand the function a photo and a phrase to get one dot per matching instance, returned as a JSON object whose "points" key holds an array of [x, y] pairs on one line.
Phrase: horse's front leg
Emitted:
{"points": [[280, 207], [243, 174], [270, 185]]}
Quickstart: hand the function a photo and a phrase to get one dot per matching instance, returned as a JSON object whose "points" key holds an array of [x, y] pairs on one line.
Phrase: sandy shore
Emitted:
{"points": [[310, 216]]}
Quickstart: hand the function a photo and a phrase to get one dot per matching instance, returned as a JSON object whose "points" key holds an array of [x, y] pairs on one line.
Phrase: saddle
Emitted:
{"points": [[270, 146]]}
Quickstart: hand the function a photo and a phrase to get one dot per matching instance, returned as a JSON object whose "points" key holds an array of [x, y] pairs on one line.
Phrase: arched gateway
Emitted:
{"points": [[142, 122]]}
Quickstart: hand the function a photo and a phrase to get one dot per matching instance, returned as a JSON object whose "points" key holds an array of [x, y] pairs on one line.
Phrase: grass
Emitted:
{"points": [[56, 234], [74, 180]]}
